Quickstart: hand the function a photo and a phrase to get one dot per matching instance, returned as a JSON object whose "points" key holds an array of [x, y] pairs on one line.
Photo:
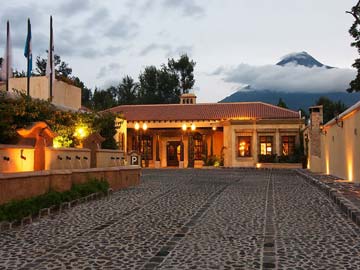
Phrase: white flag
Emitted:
{"points": [[6, 66]]}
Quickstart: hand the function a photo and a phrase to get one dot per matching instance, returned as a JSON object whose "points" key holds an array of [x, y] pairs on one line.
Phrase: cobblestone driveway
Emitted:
{"points": [[194, 219]]}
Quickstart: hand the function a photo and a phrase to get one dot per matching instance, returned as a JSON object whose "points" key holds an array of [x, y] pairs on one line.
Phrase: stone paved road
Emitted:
{"points": [[194, 219]]}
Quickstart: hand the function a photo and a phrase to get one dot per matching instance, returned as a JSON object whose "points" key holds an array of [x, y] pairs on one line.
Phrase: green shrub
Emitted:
{"points": [[212, 161], [268, 158], [17, 209]]}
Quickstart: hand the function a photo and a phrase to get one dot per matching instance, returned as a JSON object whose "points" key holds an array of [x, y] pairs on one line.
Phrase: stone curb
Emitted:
{"points": [[46, 212], [347, 207]]}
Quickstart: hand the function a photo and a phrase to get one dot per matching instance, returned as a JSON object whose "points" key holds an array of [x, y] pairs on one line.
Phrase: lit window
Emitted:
{"points": [[266, 145], [146, 147], [244, 146], [288, 145], [198, 147]]}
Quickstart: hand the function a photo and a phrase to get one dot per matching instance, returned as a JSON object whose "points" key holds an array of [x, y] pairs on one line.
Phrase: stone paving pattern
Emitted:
{"points": [[194, 219]]}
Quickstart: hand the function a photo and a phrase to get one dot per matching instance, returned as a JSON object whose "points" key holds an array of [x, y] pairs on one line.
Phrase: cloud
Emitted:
{"points": [[112, 50], [97, 18], [71, 8], [170, 51], [140, 6], [175, 52], [105, 70], [123, 29], [288, 78], [188, 7], [17, 17], [153, 47]]}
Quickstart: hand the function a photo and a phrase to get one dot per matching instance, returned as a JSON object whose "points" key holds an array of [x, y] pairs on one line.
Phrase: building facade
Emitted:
{"points": [[189, 134], [333, 147]]}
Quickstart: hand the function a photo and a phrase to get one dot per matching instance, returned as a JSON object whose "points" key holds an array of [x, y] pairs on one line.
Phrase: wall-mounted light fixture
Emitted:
{"points": [[339, 122], [22, 156], [184, 127], [193, 127], [322, 129]]}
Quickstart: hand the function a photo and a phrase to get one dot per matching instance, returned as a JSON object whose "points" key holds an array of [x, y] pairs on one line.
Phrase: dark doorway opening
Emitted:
{"points": [[173, 151]]}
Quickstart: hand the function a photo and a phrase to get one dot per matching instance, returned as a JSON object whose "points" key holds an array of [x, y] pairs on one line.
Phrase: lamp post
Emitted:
{"points": [[141, 147], [184, 128], [145, 150], [191, 146], [137, 126]]}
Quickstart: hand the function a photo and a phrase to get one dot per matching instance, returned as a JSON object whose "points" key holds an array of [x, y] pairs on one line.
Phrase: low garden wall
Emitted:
{"points": [[16, 186], [16, 158], [66, 158], [109, 158]]}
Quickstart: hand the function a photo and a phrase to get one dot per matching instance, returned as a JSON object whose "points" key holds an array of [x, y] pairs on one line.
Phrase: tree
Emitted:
{"points": [[102, 100], [168, 83], [148, 92], [184, 68], [127, 91], [105, 123], [282, 104], [330, 108], [158, 86], [19, 74], [355, 33], [62, 69]]}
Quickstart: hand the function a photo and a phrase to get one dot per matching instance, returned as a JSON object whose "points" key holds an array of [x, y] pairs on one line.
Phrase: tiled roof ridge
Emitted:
{"points": [[178, 104], [278, 107], [199, 104]]}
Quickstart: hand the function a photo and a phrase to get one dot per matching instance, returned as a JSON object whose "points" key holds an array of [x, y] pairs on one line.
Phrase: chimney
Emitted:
{"points": [[188, 98], [315, 126]]}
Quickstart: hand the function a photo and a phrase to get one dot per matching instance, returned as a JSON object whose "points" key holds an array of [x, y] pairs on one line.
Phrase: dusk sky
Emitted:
{"points": [[233, 42]]}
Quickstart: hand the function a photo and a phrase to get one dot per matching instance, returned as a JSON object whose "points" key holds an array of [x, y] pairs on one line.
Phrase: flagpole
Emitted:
{"points": [[28, 62], [7, 54], [51, 59]]}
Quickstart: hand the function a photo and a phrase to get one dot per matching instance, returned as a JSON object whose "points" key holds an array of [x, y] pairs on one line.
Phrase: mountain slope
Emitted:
{"points": [[301, 59], [294, 101]]}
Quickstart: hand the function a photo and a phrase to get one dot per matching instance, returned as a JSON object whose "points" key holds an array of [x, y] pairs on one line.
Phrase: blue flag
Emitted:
{"points": [[28, 49]]}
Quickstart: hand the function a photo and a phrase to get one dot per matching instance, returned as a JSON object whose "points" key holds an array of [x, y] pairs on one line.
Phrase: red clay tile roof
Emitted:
{"points": [[204, 111]]}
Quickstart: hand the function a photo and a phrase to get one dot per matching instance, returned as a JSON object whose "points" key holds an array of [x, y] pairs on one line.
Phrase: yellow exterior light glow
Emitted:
{"points": [[184, 127], [193, 127], [350, 168], [137, 126], [81, 132], [214, 128], [56, 143], [144, 126]]}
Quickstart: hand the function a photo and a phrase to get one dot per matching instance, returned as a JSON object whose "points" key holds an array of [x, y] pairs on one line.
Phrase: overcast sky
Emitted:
{"points": [[105, 40]]}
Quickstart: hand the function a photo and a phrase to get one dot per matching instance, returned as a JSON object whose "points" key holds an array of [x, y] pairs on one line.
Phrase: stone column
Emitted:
{"points": [[157, 159], [191, 151], [255, 147], [277, 143]]}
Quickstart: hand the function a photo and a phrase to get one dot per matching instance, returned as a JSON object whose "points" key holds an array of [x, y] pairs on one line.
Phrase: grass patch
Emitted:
{"points": [[17, 209]]}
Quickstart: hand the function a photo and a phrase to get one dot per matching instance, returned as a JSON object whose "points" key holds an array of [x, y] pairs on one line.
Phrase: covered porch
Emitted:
{"points": [[175, 144]]}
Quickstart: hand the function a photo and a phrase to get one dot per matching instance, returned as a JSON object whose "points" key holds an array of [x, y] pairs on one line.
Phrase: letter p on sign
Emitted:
{"points": [[134, 160]]}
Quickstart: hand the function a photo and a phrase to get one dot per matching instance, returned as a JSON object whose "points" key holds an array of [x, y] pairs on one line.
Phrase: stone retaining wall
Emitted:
{"points": [[16, 186], [279, 165]]}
